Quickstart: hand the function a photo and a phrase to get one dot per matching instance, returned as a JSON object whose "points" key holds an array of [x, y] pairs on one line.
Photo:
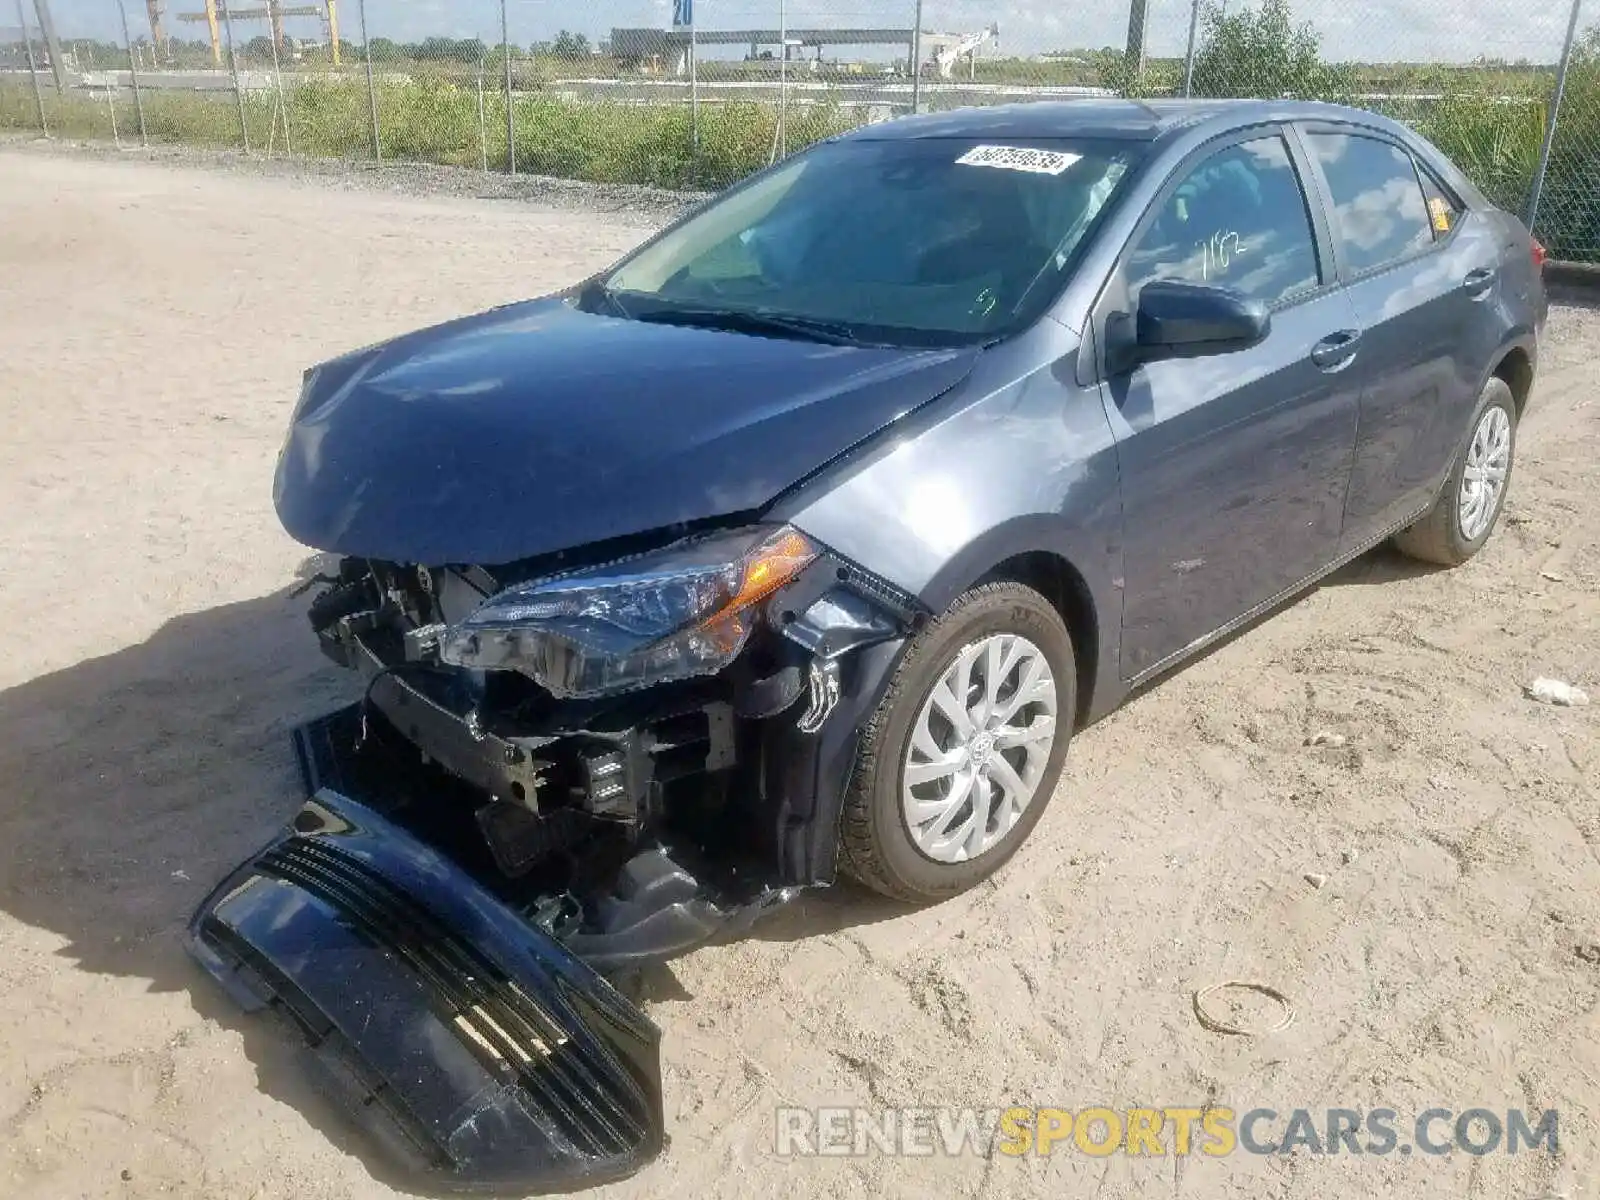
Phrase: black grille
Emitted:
{"points": [[513, 1034]]}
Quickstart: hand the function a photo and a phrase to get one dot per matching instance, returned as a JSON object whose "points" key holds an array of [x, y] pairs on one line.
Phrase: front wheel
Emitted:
{"points": [[1468, 507], [960, 758]]}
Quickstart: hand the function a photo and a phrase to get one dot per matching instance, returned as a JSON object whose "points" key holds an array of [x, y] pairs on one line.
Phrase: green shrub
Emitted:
{"points": [[1494, 140], [331, 117], [427, 120], [1258, 52], [1114, 70]]}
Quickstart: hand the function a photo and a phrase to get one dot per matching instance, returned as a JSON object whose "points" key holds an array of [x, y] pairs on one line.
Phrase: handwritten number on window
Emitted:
{"points": [[1218, 252]]}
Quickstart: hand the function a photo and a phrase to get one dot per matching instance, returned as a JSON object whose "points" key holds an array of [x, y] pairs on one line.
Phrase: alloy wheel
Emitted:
{"points": [[979, 748], [1484, 477]]}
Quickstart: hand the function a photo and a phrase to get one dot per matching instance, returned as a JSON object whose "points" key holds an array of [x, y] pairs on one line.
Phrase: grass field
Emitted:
{"points": [[438, 120]]}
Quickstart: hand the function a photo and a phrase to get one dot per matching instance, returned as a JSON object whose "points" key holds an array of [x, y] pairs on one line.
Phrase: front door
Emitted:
{"points": [[1234, 466]]}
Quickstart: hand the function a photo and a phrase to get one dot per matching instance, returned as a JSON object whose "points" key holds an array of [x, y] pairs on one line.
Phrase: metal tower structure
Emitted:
{"points": [[273, 12]]}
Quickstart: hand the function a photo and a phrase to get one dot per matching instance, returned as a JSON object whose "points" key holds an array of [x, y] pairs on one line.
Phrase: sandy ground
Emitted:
{"points": [[153, 322]]}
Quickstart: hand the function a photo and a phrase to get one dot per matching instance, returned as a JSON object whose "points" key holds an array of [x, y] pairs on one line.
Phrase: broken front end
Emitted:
{"points": [[555, 771], [644, 751]]}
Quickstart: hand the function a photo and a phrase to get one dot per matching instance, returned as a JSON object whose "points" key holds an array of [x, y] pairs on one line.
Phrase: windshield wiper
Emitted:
{"points": [[609, 298], [744, 320]]}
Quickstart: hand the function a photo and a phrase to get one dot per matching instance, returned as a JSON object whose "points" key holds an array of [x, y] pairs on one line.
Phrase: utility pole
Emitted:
{"points": [[372, 96], [158, 32], [1188, 58], [47, 30], [1537, 192], [1138, 15], [33, 70], [133, 74], [783, 79], [216, 34], [511, 112], [233, 67], [916, 62], [694, 97]]}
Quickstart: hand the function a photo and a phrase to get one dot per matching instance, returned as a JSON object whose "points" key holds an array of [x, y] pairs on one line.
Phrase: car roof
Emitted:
{"points": [[1158, 122], [1104, 117]]}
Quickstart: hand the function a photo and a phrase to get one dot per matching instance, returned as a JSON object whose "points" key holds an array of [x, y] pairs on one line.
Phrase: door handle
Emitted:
{"points": [[1336, 351], [1477, 282]]}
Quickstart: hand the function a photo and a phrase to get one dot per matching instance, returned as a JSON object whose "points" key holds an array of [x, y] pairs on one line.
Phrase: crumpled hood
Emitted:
{"points": [[538, 427]]}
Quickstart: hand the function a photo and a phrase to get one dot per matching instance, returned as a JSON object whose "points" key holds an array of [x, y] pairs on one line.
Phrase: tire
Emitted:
{"points": [[878, 846], [1439, 537]]}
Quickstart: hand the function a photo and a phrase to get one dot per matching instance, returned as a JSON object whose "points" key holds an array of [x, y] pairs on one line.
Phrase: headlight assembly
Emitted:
{"points": [[680, 612]]}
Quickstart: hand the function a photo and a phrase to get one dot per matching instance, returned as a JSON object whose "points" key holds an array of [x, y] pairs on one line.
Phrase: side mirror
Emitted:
{"points": [[1184, 320]]}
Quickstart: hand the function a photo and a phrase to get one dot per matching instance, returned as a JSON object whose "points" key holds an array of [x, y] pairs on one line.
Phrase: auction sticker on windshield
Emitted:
{"points": [[1019, 158]]}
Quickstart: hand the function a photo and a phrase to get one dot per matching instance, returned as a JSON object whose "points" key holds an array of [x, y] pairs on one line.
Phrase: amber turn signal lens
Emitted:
{"points": [[768, 567]]}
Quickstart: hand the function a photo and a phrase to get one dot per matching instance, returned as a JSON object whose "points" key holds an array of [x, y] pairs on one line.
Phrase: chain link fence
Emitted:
{"points": [[698, 93]]}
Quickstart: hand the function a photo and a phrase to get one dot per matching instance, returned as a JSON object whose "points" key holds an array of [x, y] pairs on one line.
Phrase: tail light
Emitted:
{"points": [[1540, 254]]}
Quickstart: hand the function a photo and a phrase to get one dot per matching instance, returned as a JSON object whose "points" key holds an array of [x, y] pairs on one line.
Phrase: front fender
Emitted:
{"points": [[1020, 461]]}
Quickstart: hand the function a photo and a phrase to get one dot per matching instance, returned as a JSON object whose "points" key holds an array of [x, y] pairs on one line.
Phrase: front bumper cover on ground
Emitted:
{"points": [[473, 1045]]}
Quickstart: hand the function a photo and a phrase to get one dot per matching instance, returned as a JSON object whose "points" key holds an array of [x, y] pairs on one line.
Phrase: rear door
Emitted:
{"points": [[1420, 272], [1234, 466]]}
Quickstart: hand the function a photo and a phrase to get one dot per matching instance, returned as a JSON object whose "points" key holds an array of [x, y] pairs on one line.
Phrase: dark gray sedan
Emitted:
{"points": [[806, 536], [1054, 395]]}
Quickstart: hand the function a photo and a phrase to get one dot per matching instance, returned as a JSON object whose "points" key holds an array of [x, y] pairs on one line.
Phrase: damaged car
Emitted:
{"points": [[798, 544]]}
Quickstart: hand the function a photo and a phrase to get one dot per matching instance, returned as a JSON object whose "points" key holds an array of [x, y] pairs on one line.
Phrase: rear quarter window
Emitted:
{"points": [[1380, 213], [1444, 210]]}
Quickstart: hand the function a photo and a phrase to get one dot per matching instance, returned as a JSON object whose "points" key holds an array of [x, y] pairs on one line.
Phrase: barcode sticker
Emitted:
{"points": [[1019, 158]]}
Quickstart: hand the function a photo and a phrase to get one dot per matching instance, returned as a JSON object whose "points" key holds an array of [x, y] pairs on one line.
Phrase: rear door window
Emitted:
{"points": [[1380, 215], [1238, 219]]}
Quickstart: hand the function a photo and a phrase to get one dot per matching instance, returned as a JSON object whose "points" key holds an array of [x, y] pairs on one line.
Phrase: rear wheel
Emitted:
{"points": [[1468, 507], [960, 758]]}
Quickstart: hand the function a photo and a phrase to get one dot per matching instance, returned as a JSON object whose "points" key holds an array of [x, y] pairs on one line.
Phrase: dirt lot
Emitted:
{"points": [[153, 322]]}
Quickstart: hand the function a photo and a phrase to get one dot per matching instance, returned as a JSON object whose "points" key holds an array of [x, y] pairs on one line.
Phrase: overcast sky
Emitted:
{"points": [[1453, 30]]}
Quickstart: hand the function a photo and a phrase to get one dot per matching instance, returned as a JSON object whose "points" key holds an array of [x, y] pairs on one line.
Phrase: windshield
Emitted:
{"points": [[913, 241]]}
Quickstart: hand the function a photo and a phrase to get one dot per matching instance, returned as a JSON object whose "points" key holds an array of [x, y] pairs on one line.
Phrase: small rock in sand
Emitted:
{"points": [[1326, 738], [1555, 691], [1316, 880]]}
